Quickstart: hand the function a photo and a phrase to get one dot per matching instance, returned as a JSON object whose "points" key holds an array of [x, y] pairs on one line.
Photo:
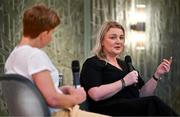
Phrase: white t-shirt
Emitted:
{"points": [[26, 61]]}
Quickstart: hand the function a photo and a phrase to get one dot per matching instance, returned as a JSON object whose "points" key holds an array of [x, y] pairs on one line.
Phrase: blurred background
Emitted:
{"points": [[152, 33]]}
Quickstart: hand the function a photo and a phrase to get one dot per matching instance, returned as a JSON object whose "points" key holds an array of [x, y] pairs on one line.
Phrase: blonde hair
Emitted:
{"points": [[98, 50]]}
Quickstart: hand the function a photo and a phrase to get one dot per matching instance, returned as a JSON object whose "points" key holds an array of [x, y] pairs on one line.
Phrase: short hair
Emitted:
{"points": [[98, 50], [37, 19]]}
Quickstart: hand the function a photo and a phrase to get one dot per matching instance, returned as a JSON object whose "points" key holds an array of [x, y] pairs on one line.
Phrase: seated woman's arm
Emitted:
{"points": [[53, 98], [104, 91], [149, 88]]}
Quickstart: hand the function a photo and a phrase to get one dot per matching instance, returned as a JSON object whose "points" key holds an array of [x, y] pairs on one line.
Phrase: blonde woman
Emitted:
{"points": [[110, 87]]}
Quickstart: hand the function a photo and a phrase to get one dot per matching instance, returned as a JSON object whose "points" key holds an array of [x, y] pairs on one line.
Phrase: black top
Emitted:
{"points": [[96, 72], [126, 102]]}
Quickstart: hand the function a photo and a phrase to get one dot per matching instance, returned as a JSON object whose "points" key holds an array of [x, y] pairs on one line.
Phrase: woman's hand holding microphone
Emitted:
{"points": [[130, 78]]}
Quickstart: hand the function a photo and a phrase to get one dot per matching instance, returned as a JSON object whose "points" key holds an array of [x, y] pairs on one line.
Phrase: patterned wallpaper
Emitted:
{"points": [[162, 32]]}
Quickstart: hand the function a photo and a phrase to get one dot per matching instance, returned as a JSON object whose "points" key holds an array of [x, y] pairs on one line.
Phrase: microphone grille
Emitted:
{"points": [[75, 66], [128, 59]]}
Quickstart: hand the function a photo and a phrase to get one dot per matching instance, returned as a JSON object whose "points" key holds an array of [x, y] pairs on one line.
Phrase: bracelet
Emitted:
{"points": [[156, 79], [123, 83]]}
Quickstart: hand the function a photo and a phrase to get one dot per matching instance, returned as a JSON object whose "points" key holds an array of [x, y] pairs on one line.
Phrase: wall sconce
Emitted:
{"points": [[139, 26]]}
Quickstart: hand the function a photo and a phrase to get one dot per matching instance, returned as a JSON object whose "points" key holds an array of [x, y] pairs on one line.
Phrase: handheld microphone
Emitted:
{"points": [[76, 75], [128, 62]]}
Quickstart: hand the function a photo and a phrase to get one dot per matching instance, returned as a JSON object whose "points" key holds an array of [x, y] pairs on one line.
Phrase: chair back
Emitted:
{"points": [[21, 97]]}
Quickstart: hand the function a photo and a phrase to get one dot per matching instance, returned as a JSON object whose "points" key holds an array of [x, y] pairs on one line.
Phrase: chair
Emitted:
{"points": [[21, 97]]}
